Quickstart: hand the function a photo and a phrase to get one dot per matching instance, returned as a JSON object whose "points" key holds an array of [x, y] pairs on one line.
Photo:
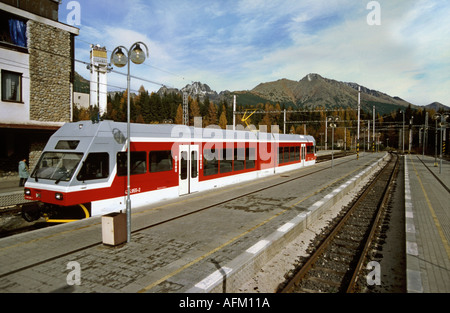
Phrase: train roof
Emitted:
{"points": [[168, 131]]}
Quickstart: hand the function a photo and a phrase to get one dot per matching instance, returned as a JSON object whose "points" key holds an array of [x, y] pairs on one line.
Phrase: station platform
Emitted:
{"points": [[427, 216], [215, 250], [11, 193]]}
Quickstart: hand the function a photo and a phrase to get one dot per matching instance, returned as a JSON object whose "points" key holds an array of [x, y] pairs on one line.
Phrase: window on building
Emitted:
{"points": [[13, 30], [11, 86]]}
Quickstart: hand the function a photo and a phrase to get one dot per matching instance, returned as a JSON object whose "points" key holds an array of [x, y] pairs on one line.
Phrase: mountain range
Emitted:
{"points": [[312, 91]]}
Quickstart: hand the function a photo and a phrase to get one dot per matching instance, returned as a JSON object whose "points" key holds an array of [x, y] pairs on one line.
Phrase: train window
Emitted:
{"points": [[184, 165], [138, 163], [239, 158], [286, 154], [297, 153], [226, 161], [292, 153], [194, 159], [67, 145], [280, 155], [250, 158], [310, 149], [96, 166], [210, 162], [57, 166], [160, 161]]}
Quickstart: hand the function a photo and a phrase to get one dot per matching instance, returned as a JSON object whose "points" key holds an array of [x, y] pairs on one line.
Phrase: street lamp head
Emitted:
{"points": [[137, 54], [119, 58]]}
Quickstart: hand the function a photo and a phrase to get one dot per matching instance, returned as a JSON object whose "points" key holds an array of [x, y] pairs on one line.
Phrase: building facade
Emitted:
{"points": [[37, 55]]}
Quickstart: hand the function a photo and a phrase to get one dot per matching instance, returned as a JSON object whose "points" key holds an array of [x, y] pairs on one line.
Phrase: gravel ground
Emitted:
{"points": [[272, 274]]}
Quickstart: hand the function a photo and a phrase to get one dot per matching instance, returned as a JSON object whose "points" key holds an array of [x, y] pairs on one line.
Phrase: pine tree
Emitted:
{"points": [[223, 119], [211, 117], [194, 110], [179, 116]]}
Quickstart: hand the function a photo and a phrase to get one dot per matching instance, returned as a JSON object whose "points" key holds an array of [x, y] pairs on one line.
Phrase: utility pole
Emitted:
{"points": [[425, 135], [359, 112], [234, 112], [185, 109], [373, 138]]}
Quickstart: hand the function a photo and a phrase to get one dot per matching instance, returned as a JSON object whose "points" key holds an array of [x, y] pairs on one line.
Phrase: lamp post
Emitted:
{"points": [[403, 131], [332, 122], [120, 59], [364, 137], [436, 117], [410, 134], [442, 126], [359, 121]]}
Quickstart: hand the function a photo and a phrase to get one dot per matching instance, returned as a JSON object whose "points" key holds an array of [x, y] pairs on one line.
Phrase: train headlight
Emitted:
{"points": [[58, 196], [27, 192]]}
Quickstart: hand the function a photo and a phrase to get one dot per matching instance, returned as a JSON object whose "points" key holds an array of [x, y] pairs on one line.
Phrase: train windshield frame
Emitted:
{"points": [[58, 166]]}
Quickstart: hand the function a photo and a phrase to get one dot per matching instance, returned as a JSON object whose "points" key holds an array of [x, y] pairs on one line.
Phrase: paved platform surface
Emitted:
{"points": [[215, 250], [427, 212], [11, 193]]}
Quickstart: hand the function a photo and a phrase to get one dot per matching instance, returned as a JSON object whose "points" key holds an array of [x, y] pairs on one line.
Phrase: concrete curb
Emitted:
{"points": [[413, 276], [234, 274]]}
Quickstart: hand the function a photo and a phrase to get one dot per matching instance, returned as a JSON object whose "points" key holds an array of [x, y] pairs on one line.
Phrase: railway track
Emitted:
{"points": [[339, 256], [327, 157]]}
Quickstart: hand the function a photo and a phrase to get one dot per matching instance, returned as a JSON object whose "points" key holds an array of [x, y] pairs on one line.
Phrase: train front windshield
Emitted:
{"points": [[58, 166]]}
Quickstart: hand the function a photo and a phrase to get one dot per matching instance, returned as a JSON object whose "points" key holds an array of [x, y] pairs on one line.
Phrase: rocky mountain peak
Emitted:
{"points": [[199, 89], [311, 77]]}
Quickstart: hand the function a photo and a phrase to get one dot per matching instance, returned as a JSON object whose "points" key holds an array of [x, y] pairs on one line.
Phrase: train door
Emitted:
{"points": [[188, 165], [303, 154]]}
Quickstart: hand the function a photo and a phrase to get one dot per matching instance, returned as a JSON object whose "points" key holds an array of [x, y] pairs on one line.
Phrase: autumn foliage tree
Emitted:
{"points": [[153, 107]]}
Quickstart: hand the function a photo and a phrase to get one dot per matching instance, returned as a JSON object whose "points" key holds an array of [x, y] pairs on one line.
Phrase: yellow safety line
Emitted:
{"points": [[48, 220], [239, 236], [433, 214]]}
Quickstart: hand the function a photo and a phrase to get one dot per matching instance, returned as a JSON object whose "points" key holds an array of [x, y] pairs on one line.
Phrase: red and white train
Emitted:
{"points": [[82, 171]]}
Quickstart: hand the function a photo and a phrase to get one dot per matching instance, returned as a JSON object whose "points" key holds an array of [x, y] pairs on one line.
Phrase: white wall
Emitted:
{"points": [[13, 112]]}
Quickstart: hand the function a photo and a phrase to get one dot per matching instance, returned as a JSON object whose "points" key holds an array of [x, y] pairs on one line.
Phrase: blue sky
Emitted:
{"points": [[237, 44]]}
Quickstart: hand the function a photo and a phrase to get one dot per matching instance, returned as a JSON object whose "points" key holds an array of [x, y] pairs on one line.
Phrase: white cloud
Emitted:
{"points": [[236, 45]]}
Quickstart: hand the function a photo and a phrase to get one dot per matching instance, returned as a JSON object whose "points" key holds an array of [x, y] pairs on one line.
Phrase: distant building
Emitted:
{"points": [[81, 100], [99, 81], [37, 55]]}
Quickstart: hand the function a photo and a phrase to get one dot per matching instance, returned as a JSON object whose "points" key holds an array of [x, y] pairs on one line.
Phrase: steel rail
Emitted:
{"points": [[369, 240], [315, 256]]}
